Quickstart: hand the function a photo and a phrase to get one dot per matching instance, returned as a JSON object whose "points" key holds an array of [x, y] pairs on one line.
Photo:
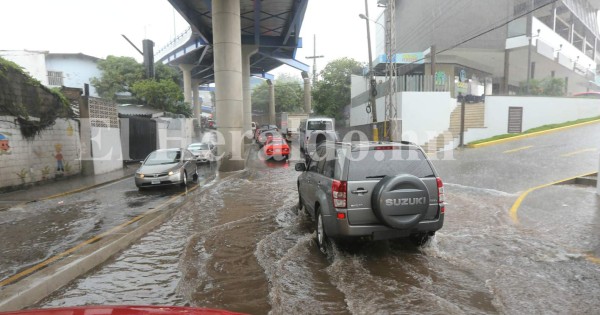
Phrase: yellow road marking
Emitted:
{"points": [[580, 151], [593, 259], [515, 207], [518, 149], [96, 238]]}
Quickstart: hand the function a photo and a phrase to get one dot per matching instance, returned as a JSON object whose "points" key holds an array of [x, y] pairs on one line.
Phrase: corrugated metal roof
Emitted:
{"points": [[139, 110]]}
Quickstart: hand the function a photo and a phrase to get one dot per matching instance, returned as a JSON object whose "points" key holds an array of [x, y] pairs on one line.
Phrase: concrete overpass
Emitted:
{"points": [[231, 40]]}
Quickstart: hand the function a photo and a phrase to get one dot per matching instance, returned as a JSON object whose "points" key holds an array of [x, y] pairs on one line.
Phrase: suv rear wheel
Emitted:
{"points": [[322, 240]]}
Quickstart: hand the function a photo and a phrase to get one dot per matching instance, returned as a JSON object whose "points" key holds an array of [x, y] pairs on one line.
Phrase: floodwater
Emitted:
{"points": [[34, 232], [240, 244]]}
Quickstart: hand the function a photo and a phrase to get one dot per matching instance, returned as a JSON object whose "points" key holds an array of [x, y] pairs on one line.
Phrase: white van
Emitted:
{"points": [[310, 129]]}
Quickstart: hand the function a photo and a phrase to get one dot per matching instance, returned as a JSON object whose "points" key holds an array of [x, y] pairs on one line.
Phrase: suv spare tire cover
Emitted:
{"points": [[400, 201]]}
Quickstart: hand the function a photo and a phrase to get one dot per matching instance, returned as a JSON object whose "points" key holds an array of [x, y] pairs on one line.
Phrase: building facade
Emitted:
{"points": [[489, 46], [56, 70]]}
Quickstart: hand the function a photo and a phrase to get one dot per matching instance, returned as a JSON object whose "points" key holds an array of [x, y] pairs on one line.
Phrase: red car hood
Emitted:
{"points": [[122, 310]]}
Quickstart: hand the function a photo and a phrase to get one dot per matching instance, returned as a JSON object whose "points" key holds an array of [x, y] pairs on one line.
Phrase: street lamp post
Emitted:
{"points": [[372, 82]]}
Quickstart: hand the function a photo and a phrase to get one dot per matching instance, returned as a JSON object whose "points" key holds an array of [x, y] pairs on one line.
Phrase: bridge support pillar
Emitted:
{"points": [[196, 109], [187, 82], [227, 48], [247, 52], [598, 179], [271, 102]]}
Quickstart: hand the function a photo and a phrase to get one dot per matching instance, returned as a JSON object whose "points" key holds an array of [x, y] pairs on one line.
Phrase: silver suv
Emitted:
{"points": [[371, 190]]}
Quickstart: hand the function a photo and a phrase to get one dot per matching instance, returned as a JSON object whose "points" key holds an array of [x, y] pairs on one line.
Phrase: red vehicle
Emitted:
{"points": [[276, 148]]}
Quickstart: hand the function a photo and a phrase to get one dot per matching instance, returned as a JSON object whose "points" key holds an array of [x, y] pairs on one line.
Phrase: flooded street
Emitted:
{"points": [[239, 244]]}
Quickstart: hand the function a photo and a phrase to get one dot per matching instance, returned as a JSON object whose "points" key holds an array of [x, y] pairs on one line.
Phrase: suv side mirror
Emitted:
{"points": [[300, 167]]}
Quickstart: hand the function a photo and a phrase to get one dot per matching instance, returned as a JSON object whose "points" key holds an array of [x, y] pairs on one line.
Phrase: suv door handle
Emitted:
{"points": [[360, 191]]}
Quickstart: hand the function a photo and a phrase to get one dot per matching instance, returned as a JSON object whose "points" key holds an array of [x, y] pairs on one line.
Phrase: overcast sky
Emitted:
{"points": [[94, 27]]}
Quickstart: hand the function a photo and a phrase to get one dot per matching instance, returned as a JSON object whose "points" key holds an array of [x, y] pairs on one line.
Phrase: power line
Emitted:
{"points": [[483, 33]]}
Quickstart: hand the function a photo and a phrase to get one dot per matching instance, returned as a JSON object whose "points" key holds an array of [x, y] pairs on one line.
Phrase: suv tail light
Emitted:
{"points": [[338, 192], [441, 197]]}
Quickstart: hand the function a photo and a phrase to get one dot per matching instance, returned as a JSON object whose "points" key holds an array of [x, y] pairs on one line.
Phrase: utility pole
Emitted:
{"points": [[314, 58], [372, 82]]}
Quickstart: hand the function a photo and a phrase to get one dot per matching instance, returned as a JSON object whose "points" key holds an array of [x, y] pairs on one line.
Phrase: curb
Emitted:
{"points": [[529, 135]]}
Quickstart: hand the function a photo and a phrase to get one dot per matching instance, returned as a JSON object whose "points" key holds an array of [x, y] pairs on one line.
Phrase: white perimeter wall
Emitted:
{"points": [[425, 115], [106, 150], [175, 132], [537, 111]]}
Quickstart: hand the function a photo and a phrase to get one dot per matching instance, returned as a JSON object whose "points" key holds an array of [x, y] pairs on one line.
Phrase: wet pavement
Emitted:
{"points": [[521, 164], [60, 186], [240, 244], [35, 231]]}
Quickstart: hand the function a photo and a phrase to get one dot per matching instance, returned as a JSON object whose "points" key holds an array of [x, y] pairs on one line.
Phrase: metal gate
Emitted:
{"points": [[142, 137], [515, 119]]}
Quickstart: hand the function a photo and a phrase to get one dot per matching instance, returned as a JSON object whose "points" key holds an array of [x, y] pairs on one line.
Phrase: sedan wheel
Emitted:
{"points": [[184, 181]]}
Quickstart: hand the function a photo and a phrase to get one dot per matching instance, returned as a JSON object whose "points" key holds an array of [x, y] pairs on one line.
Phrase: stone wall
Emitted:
{"points": [[25, 161]]}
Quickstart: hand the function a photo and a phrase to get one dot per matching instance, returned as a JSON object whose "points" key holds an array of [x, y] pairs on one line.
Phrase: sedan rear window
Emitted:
{"points": [[201, 146]]}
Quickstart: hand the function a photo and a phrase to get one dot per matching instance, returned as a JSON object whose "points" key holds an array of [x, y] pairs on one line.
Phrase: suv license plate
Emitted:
{"points": [[155, 181]]}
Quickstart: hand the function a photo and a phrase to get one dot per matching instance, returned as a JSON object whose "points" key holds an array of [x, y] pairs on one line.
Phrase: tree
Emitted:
{"points": [[118, 75], [546, 87], [162, 71], [164, 95], [289, 95], [332, 92], [125, 75]]}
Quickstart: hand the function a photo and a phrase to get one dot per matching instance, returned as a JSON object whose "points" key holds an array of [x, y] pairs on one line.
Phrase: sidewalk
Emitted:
{"points": [[63, 186]]}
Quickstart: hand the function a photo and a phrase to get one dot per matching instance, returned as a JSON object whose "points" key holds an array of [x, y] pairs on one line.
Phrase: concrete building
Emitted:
{"points": [[485, 46], [55, 69]]}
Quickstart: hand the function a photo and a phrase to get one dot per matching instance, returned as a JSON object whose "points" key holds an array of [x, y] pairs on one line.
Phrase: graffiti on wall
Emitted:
{"points": [[4, 143], [59, 158]]}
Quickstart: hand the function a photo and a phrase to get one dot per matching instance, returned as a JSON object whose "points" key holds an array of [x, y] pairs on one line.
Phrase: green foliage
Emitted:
{"points": [[125, 75], [182, 108], [24, 97], [545, 87], [332, 92], [22, 174], [165, 72], [289, 95], [68, 167], [45, 172], [164, 95], [118, 75]]}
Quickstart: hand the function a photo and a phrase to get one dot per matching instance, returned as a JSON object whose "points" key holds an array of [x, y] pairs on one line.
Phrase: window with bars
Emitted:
{"points": [[55, 78]]}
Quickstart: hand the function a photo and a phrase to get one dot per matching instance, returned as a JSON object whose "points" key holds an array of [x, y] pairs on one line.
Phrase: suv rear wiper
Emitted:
{"points": [[377, 176]]}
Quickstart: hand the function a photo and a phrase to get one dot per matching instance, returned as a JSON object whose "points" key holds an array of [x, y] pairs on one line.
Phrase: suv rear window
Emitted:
{"points": [[375, 164], [320, 125]]}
